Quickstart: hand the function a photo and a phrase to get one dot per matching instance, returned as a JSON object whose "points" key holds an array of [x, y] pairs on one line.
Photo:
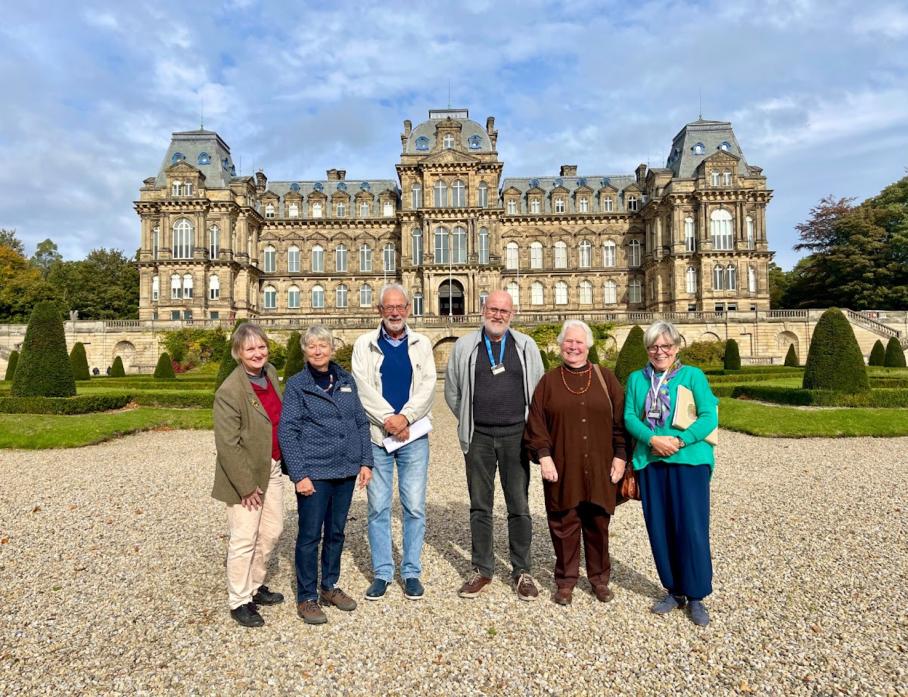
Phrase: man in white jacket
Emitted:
{"points": [[395, 373]]}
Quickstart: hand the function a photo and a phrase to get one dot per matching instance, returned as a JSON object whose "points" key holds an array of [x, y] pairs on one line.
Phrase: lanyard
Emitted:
{"points": [[655, 388], [504, 338]]}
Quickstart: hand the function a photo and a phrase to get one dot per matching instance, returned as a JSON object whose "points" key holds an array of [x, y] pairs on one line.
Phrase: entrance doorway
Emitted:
{"points": [[450, 298]]}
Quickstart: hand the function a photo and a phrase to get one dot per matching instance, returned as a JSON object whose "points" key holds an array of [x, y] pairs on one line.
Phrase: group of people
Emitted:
{"points": [[332, 429]]}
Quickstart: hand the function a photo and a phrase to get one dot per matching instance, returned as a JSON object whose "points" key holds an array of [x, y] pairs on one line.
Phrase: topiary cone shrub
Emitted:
{"points": [[296, 361], [895, 357], [117, 370], [228, 362], [544, 355], [164, 369], [594, 355], [834, 360], [877, 354], [44, 369], [632, 355], [11, 365], [732, 358], [79, 362], [791, 358]]}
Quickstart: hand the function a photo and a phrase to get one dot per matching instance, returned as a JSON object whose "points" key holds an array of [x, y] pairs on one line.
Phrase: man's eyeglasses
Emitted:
{"points": [[498, 311], [393, 308], [656, 348]]}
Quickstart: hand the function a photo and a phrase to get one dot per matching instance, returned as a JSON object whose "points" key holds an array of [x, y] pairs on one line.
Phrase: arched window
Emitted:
{"points": [[269, 258], [586, 293], [214, 242], [214, 288], [269, 210], [610, 293], [293, 259], [155, 288], [318, 298], [698, 149], [422, 143], [204, 158], [635, 291], [483, 246], [731, 277], [537, 293], [318, 259], [725, 146], [416, 246], [459, 191], [561, 293], [633, 253], [365, 258], [749, 232], [483, 195], [177, 157], [293, 210], [448, 141], [293, 297], [340, 296], [317, 209], [388, 209], [416, 197], [364, 209], [560, 256], [691, 280], [718, 277], [720, 221], [389, 257], [365, 295], [340, 258], [441, 245], [176, 287], [459, 245], [441, 194], [535, 255], [512, 256], [182, 239], [586, 254], [270, 297], [690, 237], [155, 241], [514, 291], [418, 305], [608, 253]]}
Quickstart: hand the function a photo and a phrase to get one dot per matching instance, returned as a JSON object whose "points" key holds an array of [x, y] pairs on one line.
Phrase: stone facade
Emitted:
{"points": [[689, 237]]}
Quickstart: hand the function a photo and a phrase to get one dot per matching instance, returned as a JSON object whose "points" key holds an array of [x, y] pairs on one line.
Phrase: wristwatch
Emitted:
{"points": [[681, 443]]}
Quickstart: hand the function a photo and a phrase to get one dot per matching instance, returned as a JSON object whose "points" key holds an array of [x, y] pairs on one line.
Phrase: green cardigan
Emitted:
{"points": [[696, 450]]}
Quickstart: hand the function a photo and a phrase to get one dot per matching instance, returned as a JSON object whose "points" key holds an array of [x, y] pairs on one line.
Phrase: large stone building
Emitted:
{"points": [[690, 236]]}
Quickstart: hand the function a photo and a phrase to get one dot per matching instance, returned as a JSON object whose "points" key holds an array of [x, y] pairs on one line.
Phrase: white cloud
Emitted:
{"points": [[890, 21]]}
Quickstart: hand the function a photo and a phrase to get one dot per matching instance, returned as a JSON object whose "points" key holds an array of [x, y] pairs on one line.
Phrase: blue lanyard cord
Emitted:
{"points": [[504, 338]]}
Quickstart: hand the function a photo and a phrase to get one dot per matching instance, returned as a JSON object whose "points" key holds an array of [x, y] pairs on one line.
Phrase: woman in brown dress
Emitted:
{"points": [[575, 432]]}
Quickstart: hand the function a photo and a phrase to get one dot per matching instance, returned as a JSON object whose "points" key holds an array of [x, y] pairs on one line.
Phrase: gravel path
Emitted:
{"points": [[111, 565]]}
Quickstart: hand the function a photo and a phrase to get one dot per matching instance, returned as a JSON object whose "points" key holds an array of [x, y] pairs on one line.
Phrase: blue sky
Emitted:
{"points": [[817, 93]]}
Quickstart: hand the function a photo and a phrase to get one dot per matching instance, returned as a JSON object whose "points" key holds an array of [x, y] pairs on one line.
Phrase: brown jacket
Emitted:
{"points": [[242, 436], [582, 433]]}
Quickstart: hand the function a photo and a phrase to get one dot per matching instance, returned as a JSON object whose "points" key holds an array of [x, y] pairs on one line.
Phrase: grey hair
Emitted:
{"points": [[242, 334], [389, 287], [657, 329], [317, 332], [568, 323]]}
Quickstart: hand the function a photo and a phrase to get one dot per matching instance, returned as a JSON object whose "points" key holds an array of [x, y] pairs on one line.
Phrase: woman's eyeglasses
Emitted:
{"points": [[656, 348]]}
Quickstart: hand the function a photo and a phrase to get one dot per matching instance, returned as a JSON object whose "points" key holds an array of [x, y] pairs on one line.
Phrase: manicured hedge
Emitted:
{"points": [[44, 369], [79, 361], [834, 360], [179, 400], [11, 365], [791, 357], [883, 398], [895, 357], [732, 357], [164, 369], [83, 404], [877, 383], [877, 354], [632, 355], [296, 361], [117, 370]]}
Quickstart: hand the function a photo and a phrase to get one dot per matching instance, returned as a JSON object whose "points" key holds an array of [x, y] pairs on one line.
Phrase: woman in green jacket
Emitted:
{"points": [[673, 467]]}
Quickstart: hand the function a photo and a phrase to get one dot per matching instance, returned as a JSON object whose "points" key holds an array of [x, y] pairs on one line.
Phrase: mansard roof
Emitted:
{"points": [[469, 130], [203, 150], [330, 187], [697, 141], [571, 185]]}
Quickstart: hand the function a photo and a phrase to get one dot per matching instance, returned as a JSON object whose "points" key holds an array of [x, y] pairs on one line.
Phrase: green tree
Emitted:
{"points": [[877, 354], [11, 366], [8, 239], [21, 286], [117, 370], [895, 356], [295, 359], [44, 369], [546, 363], [164, 369], [45, 256], [104, 285], [779, 281], [344, 356], [732, 358], [791, 358], [834, 359], [632, 355], [79, 362]]}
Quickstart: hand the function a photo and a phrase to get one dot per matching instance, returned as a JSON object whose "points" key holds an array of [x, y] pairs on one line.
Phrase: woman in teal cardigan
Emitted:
{"points": [[673, 469]]}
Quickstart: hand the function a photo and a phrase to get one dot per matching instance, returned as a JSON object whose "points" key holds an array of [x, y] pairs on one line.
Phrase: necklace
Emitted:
{"points": [[589, 379]]}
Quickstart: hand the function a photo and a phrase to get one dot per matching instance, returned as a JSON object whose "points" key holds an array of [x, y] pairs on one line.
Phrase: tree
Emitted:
{"points": [[8, 239], [296, 361], [779, 281], [45, 256], [79, 362], [44, 369], [732, 358], [117, 370], [895, 356], [791, 358], [877, 354], [11, 366], [834, 359], [21, 286], [104, 285], [164, 369], [632, 355]]}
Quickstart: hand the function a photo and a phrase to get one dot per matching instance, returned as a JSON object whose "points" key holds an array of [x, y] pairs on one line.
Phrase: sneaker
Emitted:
{"points": [[475, 584], [377, 589], [311, 612], [336, 597], [263, 596], [563, 596], [247, 615], [668, 603], [413, 589], [526, 587], [603, 593], [698, 613]]}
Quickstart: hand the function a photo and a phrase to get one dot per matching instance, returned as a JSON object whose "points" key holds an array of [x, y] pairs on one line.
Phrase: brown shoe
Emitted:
{"points": [[526, 587], [563, 596], [474, 585], [311, 612], [338, 599], [603, 593]]}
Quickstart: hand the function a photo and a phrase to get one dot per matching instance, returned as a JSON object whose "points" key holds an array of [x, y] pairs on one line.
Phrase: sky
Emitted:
{"points": [[817, 93]]}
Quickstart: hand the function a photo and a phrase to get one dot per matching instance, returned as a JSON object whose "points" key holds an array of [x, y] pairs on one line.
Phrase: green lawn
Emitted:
{"points": [[790, 422]]}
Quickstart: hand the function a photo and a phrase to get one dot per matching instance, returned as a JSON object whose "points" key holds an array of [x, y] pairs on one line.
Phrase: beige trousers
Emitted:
{"points": [[253, 535]]}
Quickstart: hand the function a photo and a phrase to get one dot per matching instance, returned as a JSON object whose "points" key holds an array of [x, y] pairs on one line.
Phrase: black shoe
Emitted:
{"points": [[263, 596], [247, 615]]}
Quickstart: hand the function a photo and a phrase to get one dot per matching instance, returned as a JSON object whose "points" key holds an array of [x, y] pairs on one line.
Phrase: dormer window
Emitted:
{"points": [[341, 210], [632, 203], [583, 204], [535, 205], [725, 146], [512, 207], [559, 205], [204, 158], [175, 189], [698, 149], [269, 210], [448, 141], [475, 142], [177, 157], [316, 210], [422, 143], [293, 210], [714, 179]]}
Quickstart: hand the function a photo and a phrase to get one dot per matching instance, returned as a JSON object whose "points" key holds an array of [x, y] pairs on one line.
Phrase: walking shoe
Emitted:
{"points": [[603, 593], [336, 597], [472, 587], [413, 588], [563, 596], [668, 603], [263, 596], [526, 587], [698, 613], [247, 615], [377, 589], [311, 612]]}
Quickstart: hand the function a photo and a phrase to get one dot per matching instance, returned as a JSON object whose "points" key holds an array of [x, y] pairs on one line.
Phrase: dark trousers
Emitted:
{"points": [[325, 509], [675, 502], [566, 528], [506, 454]]}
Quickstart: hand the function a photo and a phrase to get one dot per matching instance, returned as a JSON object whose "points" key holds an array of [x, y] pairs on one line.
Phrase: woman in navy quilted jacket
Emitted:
{"points": [[324, 437]]}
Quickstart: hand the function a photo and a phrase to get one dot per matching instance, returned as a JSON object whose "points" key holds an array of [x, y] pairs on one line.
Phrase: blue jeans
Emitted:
{"points": [[412, 474], [326, 508]]}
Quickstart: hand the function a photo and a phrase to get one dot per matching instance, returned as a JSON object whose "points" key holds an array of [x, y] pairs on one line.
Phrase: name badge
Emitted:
{"points": [[654, 413], [346, 389], [497, 369]]}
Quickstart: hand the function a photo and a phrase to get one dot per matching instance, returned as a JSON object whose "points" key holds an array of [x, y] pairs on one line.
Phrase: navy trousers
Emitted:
{"points": [[675, 502]]}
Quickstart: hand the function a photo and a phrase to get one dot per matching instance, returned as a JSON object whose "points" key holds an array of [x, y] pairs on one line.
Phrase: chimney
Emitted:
{"points": [[261, 181], [568, 170], [336, 175], [641, 173]]}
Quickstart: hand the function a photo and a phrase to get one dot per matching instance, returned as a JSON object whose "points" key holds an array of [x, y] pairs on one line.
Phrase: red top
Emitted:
{"points": [[272, 403]]}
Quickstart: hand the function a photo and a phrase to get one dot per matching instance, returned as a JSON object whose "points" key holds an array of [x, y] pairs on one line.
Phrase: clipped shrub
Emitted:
{"points": [[895, 357], [878, 399], [82, 404], [344, 356], [877, 354], [546, 364], [44, 369], [117, 370], [834, 360], [228, 362], [164, 369], [79, 361], [296, 361], [732, 358], [703, 353], [11, 365], [594, 355], [791, 358], [632, 355], [173, 399]]}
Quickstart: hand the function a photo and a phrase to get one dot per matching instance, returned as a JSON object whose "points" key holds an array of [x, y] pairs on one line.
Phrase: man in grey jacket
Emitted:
{"points": [[489, 383]]}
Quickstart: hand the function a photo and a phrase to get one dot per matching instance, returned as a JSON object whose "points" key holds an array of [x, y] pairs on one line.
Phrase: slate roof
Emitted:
{"points": [[547, 184], [684, 159], [218, 167], [469, 129]]}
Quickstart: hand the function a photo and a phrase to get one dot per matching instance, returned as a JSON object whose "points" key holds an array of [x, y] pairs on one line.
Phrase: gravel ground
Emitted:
{"points": [[111, 565]]}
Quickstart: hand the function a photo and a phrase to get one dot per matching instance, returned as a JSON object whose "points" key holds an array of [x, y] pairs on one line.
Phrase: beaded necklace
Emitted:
{"points": [[589, 379]]}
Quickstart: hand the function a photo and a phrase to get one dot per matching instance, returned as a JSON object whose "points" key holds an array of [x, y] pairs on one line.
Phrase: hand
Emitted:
{"points": [[365, 476], [402, 435], [664, 445], [547, 466], [253, 501], [395, 424], [618, 466], [304, 486]]}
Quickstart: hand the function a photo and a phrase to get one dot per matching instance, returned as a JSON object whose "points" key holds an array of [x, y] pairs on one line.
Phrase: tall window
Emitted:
{"points": [[483, 295], [341, 210], [293, 259], [418, 305], [720, 229], [416, 246], [182, 239], [690, 238], [365, 258], [633, 253], [340, 258], [559, 204], [586, 293], [635, 291], [608, 254], [389, 257], [155, 288], [535, 255], [365, 295], [561, 293], [537, 293], [731, 277], [459, 251], [269, 257], [318, 298], [607, 204], [726, 178], [318, 259], [441, 245], [483, 195], [269, 210], [512, 256], [441, 194], [514, 291], [340, 296], [560, 256], [714, 179], [293, 210], [691, 280], [176, 287], [155, 241], [483, 246], [586, 254], [317, 210], [718, 277], [214, 288], [632, 203], [388, 209], [610, 293], [364, 209], [751, 279], [535, 205], [270, 297], [293, 297], [512, 207], [749, 231], [459, 192], [214, 242], [448, 141], [583, 204], [416, 197]]}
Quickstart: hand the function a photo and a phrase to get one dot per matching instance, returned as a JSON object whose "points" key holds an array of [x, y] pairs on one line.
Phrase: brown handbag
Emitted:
{"points": [[627, 487]]}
